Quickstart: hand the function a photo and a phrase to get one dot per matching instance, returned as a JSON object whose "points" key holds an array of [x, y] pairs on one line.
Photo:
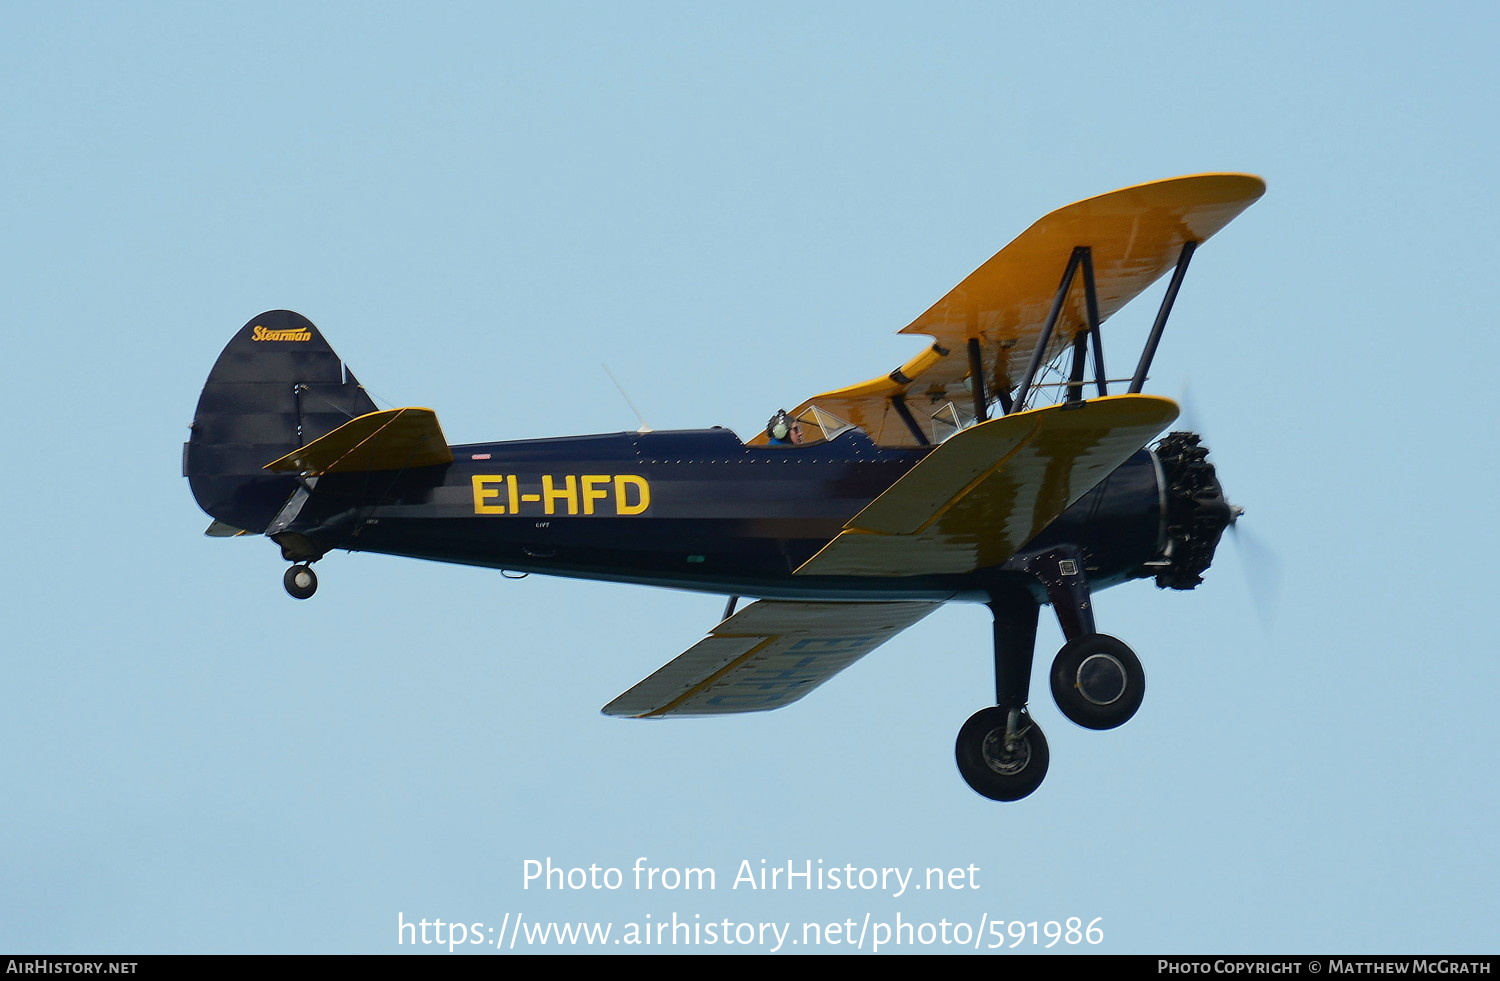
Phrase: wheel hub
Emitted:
{"points": [[1101, 679], [1006, 759]]}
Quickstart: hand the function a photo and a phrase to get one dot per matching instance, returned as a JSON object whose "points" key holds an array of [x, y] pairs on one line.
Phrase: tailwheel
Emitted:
{"points": [[1001, 753], [300, 581], [1097, 681]]}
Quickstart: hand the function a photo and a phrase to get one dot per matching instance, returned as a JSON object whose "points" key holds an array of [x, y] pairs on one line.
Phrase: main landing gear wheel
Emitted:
{"points": [[300, 581], [997, 767], [1097, 681]]}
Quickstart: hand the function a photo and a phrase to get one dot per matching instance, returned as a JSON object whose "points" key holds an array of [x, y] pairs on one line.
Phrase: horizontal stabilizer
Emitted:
{"points": [[219, 529], [396, 439], [768, 655], [977, 498]]}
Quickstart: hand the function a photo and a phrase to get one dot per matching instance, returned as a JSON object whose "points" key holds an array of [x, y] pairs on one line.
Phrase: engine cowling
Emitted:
{"points": [[1196, 512]]}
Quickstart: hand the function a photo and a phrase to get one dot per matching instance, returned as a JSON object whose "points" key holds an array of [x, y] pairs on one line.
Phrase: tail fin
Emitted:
{"points": [[276, 387]]}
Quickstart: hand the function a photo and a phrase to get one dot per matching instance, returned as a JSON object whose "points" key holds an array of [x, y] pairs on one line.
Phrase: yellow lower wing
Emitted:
{"points": [[984, 493], [768, 655], [396, 439]]}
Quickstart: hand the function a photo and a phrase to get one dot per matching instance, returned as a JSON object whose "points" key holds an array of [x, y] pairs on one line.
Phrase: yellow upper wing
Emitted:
{"points": [[1134, 235]]}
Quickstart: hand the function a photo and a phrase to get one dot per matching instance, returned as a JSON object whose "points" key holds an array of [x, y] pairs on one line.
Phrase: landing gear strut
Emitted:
{"points": [[1001, 752], [300, 581], [1097, 680]]}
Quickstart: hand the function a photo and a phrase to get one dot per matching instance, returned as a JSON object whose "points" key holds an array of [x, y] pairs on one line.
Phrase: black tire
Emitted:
{"points": [[989, 768], [1097, 681], [300, 581]]}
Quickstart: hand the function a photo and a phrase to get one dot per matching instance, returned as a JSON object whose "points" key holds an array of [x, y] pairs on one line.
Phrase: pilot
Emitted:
{"points": [[783, 430]]}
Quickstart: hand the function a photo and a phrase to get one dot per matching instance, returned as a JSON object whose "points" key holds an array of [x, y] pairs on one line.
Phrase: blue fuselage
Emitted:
{"points": [[694, 509]]}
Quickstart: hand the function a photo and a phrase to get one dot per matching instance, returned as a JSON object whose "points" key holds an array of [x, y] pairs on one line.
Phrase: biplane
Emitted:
{"points": [[999, 465]]}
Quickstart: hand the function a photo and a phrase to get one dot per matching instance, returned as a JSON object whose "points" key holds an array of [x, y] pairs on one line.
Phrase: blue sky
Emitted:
{"points": [[733, 207]]}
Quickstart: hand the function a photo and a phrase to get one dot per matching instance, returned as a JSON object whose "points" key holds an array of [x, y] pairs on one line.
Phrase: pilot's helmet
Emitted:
{"points": [[780, 427]]}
